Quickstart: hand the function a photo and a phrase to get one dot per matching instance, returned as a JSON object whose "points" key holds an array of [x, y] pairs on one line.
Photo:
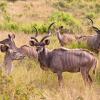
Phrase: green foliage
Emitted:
{"points": [[3, 6], [10, 26], [42, 28], [77, 45], [91, 15], [98, 76], [97, 6], [66, 19], [26, 28]]}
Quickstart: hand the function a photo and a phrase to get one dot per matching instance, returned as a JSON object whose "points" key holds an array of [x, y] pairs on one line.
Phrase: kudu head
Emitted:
{"points": [[8, 46], [43, 42], [95, 28], [8, 42], [60, 28]]}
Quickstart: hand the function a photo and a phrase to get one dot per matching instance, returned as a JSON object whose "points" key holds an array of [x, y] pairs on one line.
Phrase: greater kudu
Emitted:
{"points": [[12, 52], [65, 39], [92, 41], [60, 60]]}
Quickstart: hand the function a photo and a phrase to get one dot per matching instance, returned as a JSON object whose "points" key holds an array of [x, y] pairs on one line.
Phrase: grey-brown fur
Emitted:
{"points": [[14, 53], [61, 60]]}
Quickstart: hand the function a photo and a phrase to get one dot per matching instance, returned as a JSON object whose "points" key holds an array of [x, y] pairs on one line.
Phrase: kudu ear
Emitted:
{"points": [[47, 42], [31, 43], [11, 36]]}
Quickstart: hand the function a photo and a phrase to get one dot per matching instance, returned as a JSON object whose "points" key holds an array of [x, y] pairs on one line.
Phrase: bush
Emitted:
{"points": [[3, 6], [66, 19], [11, 26], [91, 15]]}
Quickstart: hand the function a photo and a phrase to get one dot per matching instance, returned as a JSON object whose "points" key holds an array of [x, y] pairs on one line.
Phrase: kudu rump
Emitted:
{"points": [[14, 53], [60, 60]]}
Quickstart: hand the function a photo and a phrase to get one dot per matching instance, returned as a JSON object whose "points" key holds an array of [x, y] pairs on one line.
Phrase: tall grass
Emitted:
{"points": [[29, 82]]}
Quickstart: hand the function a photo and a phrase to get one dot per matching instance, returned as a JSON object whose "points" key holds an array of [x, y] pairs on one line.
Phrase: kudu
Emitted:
{"points": [[60, 60], [92, 41], [65, 39], [14, 53]]}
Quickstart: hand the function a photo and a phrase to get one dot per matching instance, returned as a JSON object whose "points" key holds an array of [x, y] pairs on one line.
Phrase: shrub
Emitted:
{"points": [[91, 15], [67, 20], [11, 26], [3, 6]]}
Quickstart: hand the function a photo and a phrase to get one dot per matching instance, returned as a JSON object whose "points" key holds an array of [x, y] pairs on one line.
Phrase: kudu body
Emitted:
{"points": [[92, 41], [65, 39], [61, 60], [14, 53]]}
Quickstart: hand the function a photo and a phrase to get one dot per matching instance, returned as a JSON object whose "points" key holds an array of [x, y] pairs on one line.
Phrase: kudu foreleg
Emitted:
{"points": [[60, 79], [8, 67]]}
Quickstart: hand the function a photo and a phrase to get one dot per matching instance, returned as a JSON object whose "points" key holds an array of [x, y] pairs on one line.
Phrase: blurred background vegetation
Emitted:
{"points": [[22, 15]]}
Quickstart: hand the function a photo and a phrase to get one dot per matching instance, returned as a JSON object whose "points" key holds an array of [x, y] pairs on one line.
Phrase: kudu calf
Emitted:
{"points": [[14, 53], [60, 60], [92, 41]]}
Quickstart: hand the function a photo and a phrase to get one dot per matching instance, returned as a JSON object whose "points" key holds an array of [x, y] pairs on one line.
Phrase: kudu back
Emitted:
{"points": [[64, 60], [12, 52]]}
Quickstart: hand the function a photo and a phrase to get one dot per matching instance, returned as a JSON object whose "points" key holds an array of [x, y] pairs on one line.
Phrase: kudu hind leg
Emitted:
{"points": [[89, 80], [85, 76], [89, 77]]}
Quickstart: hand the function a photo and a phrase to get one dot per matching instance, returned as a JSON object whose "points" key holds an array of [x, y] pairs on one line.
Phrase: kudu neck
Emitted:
{"points": [[43, 52], [59, 35], [43, 57]]}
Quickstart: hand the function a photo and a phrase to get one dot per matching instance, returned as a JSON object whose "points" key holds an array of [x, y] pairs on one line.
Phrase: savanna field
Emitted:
{"points": [[28, 81]]}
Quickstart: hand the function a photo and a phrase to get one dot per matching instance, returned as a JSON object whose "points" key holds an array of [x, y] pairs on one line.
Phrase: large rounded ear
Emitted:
{"points": [[11, 36], [31, 43], [4, 48], [47, 42]]}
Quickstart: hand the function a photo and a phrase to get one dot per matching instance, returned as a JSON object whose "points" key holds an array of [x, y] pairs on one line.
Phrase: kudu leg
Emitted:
{"points": [[89, 77], [60, 78], [89, 80], [85, 76], [8, 67]]}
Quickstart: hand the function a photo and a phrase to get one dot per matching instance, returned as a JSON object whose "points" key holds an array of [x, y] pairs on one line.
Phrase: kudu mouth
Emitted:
{"points": [[36, 42]]}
